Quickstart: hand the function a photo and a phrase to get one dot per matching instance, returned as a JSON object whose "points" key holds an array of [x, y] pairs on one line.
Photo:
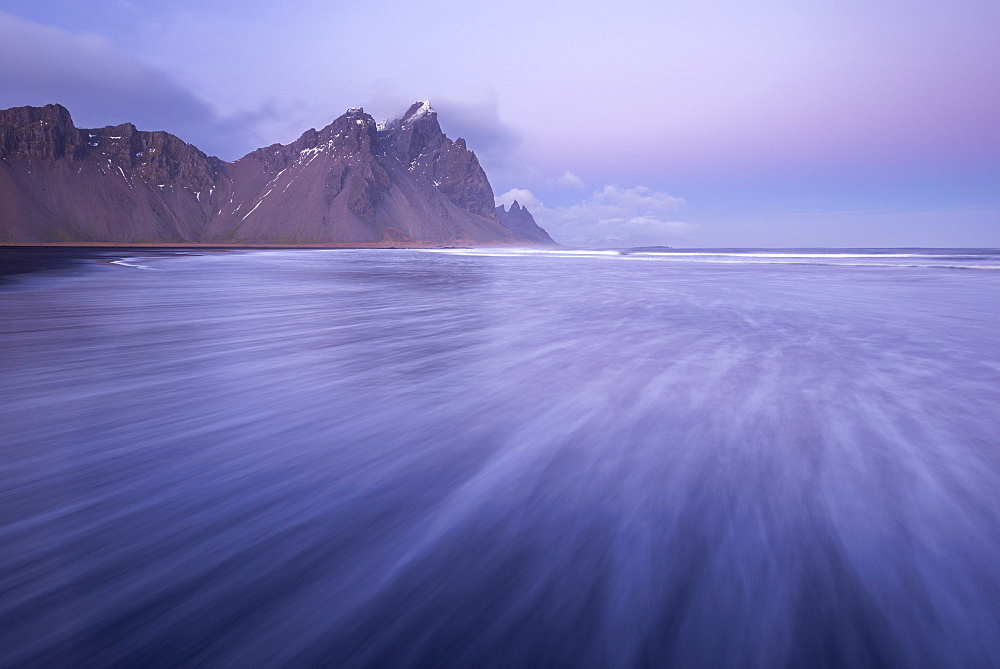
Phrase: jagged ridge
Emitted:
{"points": [[350, 182], [520, 220]]}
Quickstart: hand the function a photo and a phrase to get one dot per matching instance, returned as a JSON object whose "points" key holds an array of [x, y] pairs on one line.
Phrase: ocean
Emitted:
{"points": [[500, 458]]}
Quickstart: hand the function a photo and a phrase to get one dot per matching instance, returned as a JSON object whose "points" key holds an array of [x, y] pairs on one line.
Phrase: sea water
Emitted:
{"points": [[502, 458]]}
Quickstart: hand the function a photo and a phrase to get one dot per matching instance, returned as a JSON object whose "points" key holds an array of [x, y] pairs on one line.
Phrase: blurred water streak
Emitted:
{"points": [[482, 458]]}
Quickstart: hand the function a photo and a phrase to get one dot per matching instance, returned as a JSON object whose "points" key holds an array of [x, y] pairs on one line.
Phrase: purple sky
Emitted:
{"points": [[682, 123]]}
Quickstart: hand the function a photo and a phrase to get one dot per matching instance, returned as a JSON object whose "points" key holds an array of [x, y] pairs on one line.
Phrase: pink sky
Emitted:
{"points": [[747, 111]]}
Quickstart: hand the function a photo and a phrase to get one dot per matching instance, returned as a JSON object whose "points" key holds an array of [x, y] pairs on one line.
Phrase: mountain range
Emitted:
{"points": [[355, 182]]}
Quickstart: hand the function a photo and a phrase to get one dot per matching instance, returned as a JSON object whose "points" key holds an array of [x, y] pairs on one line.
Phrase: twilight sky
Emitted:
{"points": [[686, 123]]}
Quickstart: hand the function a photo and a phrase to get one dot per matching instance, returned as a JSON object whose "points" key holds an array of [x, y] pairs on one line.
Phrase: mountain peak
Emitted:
{"points": [[123, 129], [416, 133], [44, 133], [419, 109], [420, 113], [354, 123], [19, 116], [520, 220]]}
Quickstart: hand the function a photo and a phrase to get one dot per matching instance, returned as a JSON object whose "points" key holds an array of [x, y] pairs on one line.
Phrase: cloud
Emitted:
{"points": [[522, 196], [482, 128], [638, 198], [102, 86], [611, 216], [568, 180], [494, 141]]}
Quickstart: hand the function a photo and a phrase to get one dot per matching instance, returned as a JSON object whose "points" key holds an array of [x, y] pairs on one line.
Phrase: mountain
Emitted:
{"points": [[520, 220], [353, 182]]}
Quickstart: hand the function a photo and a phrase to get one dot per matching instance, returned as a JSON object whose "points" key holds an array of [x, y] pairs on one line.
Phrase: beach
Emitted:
{"points": [[501, 457]]}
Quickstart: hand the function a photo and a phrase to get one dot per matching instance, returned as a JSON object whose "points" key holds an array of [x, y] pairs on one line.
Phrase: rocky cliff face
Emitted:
{"points": [[116, 184], [416, 141], [351, 182]]}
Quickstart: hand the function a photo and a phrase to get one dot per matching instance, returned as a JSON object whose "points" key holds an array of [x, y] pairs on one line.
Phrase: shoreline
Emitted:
{"points": [[26, 258], [200, 245]]}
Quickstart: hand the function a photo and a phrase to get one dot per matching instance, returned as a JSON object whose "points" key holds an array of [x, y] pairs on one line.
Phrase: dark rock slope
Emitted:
{"points": [[351, 182]]}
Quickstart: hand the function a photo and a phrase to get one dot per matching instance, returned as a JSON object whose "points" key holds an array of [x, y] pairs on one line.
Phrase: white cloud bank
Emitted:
{"points": [[612, 216], [567, 180]]}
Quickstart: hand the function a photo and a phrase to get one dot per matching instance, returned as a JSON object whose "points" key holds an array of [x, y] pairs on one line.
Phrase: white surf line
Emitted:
{"points": [[128, 264], [777, 254]]}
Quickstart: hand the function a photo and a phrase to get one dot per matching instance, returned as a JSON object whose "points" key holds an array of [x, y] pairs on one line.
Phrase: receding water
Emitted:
{"points": [[499, 458]]}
